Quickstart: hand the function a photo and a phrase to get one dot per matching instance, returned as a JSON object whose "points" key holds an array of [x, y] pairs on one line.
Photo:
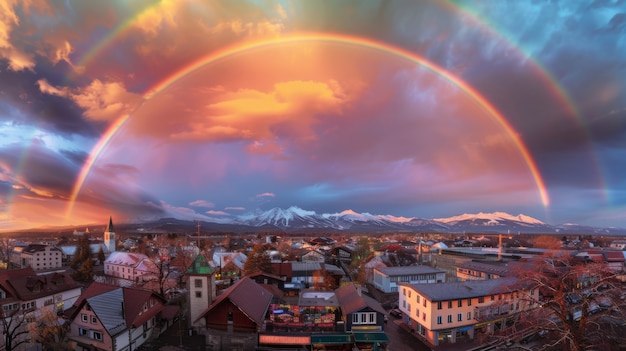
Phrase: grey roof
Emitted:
{"points": [[466, 289], [334, 270], [305, 267], [405, 270], [108, 308], [318, 298]]}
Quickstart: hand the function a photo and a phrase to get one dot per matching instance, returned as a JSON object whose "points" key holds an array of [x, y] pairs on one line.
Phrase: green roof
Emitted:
{"points": [[371, 337], [199, 266], [331, 339]]}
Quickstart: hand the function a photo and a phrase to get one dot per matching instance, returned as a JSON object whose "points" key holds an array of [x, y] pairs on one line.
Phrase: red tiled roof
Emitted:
{"points": [[614, 256], [349, 299], [282, 269], [8, 274], [35, 286], [248, 296]]}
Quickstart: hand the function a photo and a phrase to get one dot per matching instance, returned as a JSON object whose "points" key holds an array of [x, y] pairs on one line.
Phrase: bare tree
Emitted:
{"points": [[258, 260], [14, 326], [580, 302]]}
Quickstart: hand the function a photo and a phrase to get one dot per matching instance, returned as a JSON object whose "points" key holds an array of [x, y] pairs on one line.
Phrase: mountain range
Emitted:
{"points": [[295, 219]]}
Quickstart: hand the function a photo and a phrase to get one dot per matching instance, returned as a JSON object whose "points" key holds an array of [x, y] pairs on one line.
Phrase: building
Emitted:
{"points": [[133, 267], [235, 318], [24, 296], [386, 279], [109, 236], [39, 257], [453, 312], [201, 290], [111, 318], [363, 317], [69, 251]]}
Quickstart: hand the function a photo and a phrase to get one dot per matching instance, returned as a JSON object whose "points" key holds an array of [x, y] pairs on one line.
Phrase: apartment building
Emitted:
{"points": [[452, 312], [386, 279], [37, 256]]}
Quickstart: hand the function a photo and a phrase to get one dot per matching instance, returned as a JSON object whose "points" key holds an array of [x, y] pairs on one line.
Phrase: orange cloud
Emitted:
{"points": [[254, 115]]}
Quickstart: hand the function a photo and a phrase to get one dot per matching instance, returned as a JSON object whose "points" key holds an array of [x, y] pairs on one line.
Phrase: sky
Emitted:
{"points": [[212, 109]]}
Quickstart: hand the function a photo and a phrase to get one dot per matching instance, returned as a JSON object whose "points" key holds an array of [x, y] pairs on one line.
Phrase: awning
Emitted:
{"points": [[329, 339], [371, 337], [284, 339]]}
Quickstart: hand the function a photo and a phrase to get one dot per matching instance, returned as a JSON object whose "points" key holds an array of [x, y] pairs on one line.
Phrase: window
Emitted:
{"points": [[83, 317], [460, 303], [404, 291], [459, 317], [439, 305], [409, 308], [469, 315], [97, 336], [493, 297], [82, 331], [439, 320], [423, 315], [424, 302], [198, 294], [364, 318], [469, 301], [197, 283], [481, 299], [403, 303], [450, 304], [94, 320], [449, 318], [417, 298]]}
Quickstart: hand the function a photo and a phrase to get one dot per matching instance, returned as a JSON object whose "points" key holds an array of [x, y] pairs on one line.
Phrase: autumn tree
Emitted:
{"points": [[49, 332], [258, 260], [579, 302]]}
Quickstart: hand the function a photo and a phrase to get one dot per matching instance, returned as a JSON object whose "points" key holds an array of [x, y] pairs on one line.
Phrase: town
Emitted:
{"points": [[104, 289]]}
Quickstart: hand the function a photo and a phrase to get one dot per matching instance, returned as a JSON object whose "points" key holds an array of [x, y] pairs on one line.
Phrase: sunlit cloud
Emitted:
{"points": [[202, 203], [265, 195]]}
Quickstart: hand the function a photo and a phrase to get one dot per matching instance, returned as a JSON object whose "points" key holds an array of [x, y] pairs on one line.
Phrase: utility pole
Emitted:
{"points": [[198, 223]]}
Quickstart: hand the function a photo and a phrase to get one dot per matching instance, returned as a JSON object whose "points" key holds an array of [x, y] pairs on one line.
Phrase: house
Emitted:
{"points": [[37, 256], [108, 317], [456, 312], [24, 293], [363, 316], [488, 269], [129, 266], [236, 316], [386, 279]]}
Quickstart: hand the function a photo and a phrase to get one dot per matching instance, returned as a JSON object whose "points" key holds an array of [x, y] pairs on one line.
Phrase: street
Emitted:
{"points": [[400, 339]]}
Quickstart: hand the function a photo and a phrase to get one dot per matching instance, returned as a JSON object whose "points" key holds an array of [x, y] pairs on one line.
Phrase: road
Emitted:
{"points": [[400, 339]]}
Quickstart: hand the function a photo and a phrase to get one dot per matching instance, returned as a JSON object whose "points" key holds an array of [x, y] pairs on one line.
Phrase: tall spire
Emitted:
{"points": [[110, 228]]}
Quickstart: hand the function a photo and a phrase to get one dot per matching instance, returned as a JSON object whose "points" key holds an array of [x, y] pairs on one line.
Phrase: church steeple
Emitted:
{"points": [[110, 228], [109, 236]]}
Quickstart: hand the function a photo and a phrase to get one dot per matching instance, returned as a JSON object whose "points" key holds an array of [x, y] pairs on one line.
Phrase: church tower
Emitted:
{"points": [[201, 290], [109, 236]]}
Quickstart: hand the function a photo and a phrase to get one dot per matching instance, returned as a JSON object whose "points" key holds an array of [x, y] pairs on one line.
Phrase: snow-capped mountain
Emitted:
{"points": [[297, 219]]}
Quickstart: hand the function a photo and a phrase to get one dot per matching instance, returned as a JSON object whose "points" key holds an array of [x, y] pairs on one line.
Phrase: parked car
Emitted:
{"points": [[396, 313]]}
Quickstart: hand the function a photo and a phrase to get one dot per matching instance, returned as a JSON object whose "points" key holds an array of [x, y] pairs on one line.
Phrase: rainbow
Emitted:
{"points": [[325, 38], [114, 34]]}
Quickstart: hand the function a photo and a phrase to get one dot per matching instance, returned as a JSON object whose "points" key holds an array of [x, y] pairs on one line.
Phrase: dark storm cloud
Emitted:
{"points": [[40, 170], [29, 106]]}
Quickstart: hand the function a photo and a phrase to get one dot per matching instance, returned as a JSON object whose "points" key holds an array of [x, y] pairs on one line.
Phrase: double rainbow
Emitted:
{"points": [[226, 52]]}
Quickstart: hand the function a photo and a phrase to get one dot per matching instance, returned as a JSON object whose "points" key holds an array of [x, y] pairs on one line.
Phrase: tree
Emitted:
{"points": [[49, 331], [101, 256], [258, 260], [14, 326], [580, 302]]}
